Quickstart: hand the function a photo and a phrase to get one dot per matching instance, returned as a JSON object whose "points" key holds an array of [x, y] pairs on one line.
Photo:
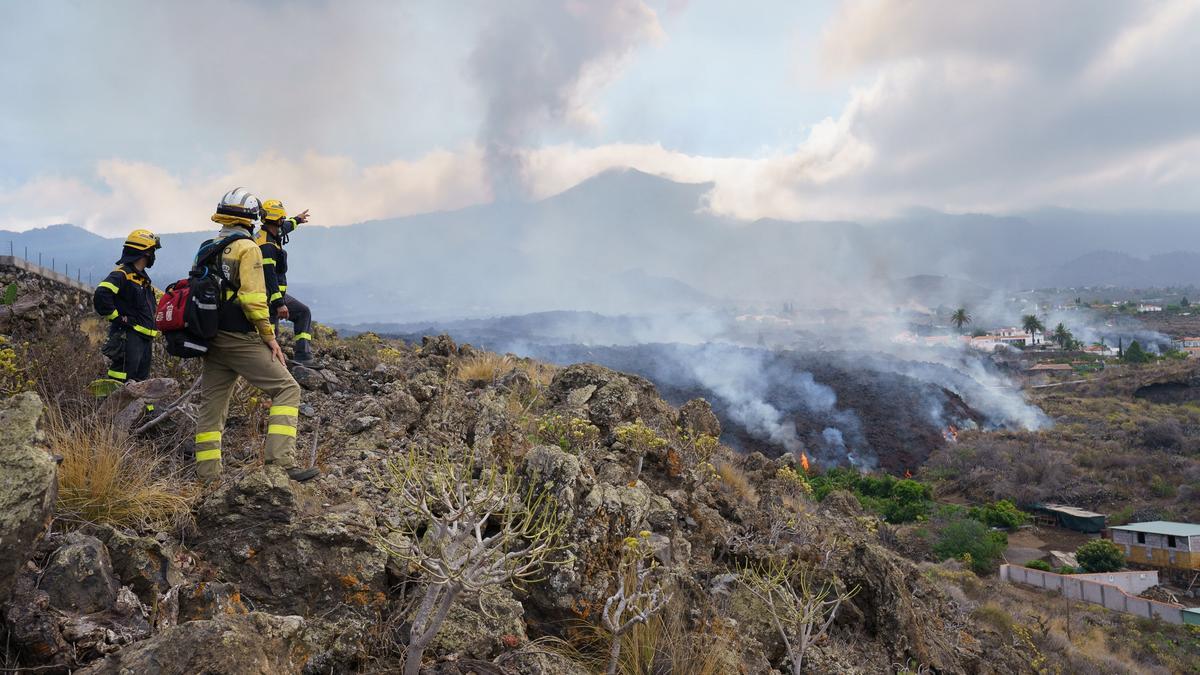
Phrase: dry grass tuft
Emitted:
{"points": [[664, 644], [485, 367], [104, 479], [541, 374], [735, 481]]}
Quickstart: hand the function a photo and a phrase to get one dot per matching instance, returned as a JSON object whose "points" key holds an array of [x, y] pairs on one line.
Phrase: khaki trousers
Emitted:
{"points": [[245, 354]]}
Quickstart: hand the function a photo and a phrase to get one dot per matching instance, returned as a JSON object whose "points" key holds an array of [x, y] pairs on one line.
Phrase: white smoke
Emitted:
{"points": [[737, 377], [536, 64]]}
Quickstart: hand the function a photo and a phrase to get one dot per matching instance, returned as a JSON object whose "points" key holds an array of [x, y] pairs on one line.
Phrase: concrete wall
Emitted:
{"points": [[1097, 589], [1130, 582]]}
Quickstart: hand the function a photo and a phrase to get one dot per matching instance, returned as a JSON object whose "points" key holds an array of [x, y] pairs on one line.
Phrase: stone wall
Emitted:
{"points": [[10, 265]]}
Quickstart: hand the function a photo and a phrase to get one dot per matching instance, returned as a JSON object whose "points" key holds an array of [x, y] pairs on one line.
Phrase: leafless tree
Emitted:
{"points": [[801, 608], [469, 529], [637, 597]]}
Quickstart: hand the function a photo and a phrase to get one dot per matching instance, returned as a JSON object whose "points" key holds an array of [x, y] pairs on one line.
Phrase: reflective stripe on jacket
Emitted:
{"points": [[242, 264], [275, 262], [127, 296]]}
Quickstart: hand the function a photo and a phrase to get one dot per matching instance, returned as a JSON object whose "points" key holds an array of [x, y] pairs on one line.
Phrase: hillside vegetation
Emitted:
{"points": [[1126, 443]]}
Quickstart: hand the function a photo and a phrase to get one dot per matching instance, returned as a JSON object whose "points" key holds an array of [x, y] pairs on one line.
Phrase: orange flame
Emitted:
{"points": [[907, 473], [804, 461], [951, 434]]}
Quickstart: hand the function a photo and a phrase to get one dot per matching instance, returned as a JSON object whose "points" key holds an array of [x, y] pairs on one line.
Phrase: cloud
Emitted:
{"points": [[984, 106], [338, 191], [182, 84], [987, 106]]}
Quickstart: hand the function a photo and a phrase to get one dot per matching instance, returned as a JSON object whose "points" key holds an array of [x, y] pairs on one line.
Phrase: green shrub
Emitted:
{"points": [[1161, 488], [971, 539], [1038, 565], [1135, 354], [1066, 569], [1000, 514], [895, 511], [1100, 555], [1122, 516], [897, 500]]}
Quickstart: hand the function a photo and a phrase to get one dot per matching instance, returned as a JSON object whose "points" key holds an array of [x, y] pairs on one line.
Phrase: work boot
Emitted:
{"points": [[301, 475], [301, 353]]}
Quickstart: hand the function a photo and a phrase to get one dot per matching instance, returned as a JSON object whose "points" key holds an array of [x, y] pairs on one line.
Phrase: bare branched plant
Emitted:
{"points": [[468, 529], [801, 607], [638, 595]]}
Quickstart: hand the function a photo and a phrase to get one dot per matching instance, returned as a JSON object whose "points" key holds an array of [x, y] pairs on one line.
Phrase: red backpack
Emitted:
{"points": [[187, 313], [172, 307]]}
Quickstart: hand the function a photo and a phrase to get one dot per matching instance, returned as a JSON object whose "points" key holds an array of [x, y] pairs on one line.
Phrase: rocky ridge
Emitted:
{"points": [[275, 577]]}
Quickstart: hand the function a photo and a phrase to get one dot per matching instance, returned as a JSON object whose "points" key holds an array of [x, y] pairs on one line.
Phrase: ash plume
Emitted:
{"points": [[535, 64]]}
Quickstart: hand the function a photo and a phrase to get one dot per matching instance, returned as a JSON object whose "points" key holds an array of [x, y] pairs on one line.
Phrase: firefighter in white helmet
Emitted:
{"points": [[245, 346]]}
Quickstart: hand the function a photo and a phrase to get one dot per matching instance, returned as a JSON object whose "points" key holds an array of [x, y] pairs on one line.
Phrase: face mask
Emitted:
{"points": [[150, 261]]}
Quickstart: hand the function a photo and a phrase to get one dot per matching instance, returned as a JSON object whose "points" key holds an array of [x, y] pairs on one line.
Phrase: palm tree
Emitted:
{"points": [[1033, 326], [960, 318], [1063, 336]]}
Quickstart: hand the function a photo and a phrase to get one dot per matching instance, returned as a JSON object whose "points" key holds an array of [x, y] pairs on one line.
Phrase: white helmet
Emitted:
{"points": [[240, 203]]}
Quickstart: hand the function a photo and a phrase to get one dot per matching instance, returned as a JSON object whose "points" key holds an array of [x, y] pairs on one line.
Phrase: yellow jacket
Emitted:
{"points": [[242, 264]]}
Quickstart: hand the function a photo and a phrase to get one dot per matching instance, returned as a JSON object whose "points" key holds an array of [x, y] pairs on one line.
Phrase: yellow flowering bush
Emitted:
{"points": [[571, 434], [639, 437], [795, 480], [13, 377]]}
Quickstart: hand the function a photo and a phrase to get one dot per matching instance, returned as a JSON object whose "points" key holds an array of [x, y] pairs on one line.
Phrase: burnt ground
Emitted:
{"points": [[883, 416], [1172, 324]]}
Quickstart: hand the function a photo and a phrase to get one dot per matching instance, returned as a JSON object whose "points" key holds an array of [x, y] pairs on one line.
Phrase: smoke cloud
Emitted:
{"points": [[537, 63]]}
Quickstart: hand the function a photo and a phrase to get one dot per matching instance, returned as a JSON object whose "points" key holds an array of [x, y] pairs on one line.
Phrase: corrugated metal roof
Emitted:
{"points": [[1070, 510], [1162, 527]]}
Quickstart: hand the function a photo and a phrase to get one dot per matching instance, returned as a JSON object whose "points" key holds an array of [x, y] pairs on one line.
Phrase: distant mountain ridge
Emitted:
{"points": [[627, 242]]}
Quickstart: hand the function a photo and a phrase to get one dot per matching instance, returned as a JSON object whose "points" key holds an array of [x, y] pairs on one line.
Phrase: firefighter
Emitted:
{"points": [[276, 227], [245, 345], [126, 299]]}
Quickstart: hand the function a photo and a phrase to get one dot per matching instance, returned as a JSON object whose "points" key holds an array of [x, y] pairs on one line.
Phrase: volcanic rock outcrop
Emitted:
{"points": [[274, 576]]}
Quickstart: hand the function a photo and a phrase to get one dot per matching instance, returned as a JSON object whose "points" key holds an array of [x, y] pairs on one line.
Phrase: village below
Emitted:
{"points": [[629, 522]]}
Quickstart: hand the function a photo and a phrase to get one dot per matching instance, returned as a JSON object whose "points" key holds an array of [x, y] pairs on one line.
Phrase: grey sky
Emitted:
{"points": [[126, 113]]}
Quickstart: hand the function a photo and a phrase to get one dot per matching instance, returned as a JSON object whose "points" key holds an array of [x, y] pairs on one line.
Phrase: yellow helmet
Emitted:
{"points": [[142, 240], [272, 209]]}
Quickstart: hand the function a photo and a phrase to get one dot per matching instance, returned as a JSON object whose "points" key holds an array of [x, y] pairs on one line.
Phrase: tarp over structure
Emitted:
{"points": [[1072, 518]]}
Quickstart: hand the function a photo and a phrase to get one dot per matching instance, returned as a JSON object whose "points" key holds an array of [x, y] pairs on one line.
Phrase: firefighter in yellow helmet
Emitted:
{"points": [[245, 346], [276, 227], [126, 299]]}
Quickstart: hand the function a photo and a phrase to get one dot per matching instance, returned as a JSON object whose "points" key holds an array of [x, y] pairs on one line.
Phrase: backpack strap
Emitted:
{"points": [[216, 248], [220, 246]]}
